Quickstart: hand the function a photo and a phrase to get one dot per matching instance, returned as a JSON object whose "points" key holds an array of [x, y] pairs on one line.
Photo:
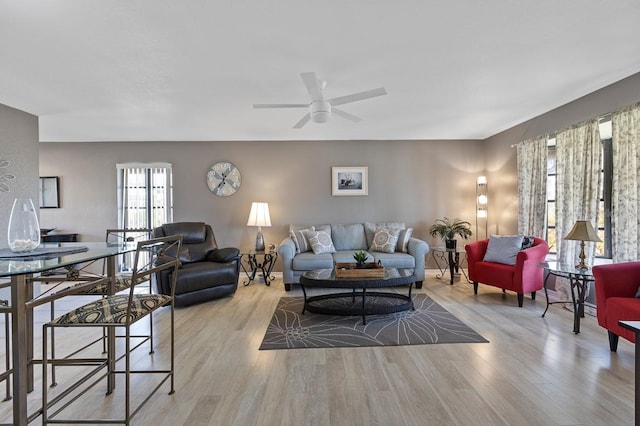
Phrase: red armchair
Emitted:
{"points": [[616, 287], [523, 277]]}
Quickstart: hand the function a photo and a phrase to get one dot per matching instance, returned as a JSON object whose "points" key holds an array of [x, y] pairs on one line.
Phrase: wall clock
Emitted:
{"points": [[223, 179]]}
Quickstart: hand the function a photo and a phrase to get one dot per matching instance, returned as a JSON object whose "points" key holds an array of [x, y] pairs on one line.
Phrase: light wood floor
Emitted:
{"points": [[534, 371]]}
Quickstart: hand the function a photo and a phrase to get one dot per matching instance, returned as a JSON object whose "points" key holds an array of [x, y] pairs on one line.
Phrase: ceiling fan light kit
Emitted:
{"points": [[320, 110]]}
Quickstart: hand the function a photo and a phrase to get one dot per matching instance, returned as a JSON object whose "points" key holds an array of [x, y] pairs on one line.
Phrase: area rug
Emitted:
{"points": [[428, 324]]}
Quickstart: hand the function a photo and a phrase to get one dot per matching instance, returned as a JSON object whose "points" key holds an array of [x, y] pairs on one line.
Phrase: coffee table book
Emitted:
{"points": [[351, 270]]}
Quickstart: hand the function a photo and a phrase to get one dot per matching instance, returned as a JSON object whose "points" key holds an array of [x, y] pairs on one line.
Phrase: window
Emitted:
{"points": [[145, 195], [603, 249], [551, 195]]}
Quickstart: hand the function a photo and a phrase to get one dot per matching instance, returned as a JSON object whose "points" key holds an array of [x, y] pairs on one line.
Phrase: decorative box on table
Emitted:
{"points": [[351, 270]]}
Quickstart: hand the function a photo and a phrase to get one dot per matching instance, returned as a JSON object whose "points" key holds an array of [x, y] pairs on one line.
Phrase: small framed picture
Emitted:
{"points": [[49, 193], [349, 181]]}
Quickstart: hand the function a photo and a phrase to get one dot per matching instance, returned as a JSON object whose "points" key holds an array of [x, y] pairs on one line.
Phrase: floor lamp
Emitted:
{"points": [[481, 204]]}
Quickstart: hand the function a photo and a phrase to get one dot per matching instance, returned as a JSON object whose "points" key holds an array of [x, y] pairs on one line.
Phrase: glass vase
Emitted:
{"points": [[24, 229]]}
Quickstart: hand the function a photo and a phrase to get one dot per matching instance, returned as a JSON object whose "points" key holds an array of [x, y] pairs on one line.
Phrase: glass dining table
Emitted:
{"points": [[23, 271]]}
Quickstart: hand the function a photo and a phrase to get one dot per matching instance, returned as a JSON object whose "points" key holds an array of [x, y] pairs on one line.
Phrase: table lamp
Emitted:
{"points": [[582, 231], [259, 216]]}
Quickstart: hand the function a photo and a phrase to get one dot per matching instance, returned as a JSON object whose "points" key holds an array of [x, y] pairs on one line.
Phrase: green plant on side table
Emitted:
{"points": [[360, 257], [447, 229]]}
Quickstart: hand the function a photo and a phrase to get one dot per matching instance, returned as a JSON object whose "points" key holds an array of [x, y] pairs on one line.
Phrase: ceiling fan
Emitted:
{"points": [[320, 110]]}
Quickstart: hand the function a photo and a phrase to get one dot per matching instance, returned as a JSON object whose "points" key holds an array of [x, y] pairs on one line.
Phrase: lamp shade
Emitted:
{"points": [[259, 215], [583, 231]]}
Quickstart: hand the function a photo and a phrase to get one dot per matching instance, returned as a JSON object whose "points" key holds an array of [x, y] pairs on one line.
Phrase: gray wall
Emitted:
{"points": [[19, 145], [411, 181], [501, 158]]}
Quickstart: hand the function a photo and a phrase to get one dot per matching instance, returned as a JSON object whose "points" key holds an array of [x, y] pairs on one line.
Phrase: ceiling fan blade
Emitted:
{"points": [[305, 118], [281, 105], [346, 115], [358, 96], [313, 86]]}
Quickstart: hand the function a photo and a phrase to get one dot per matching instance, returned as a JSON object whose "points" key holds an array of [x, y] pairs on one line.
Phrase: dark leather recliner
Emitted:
{"points": [[206, 272]]}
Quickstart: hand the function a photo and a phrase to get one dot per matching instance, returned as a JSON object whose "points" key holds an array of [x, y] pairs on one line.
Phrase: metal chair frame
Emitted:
{"points": [[113, 236], [8, 370], [161, 254]]}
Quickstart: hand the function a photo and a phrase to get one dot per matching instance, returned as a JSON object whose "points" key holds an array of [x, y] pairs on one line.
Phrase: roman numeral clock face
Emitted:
{"points": [[223, 179]]}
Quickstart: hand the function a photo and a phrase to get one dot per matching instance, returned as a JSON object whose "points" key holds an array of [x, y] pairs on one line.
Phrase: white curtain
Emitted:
{"points": [[578, 185], [532, 187], [625, 206]]}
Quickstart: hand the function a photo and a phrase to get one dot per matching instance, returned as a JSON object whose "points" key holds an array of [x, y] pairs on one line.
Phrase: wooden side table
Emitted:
{"points": [[262, 261]]}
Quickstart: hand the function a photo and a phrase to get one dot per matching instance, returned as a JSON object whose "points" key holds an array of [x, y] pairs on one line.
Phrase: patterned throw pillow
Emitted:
{"points": [[403, 240], [385, 240], [300, 239], [527, 242], [320, 242]]}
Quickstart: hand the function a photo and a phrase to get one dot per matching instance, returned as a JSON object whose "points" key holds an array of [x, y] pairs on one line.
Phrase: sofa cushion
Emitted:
{"points": [[320, 242], [346, 256], [385, 240], [349, 237], [503, 249], [403, 240], [394, 260], [497, 274], [300, 239], [370, 229], [324, 228], [309, 261]]}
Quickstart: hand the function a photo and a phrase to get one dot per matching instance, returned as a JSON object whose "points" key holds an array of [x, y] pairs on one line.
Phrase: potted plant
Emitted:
{"points": [[360, 257], [447, 229]]}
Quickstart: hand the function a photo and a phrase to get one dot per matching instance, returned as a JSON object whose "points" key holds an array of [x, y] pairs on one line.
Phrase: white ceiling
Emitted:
{"points": [[145, 70]]}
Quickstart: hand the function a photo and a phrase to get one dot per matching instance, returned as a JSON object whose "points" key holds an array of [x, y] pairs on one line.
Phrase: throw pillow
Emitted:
{"points": [[300, 239], [403, 240], [320, 242], [370, 228], [385, 240], [638, 292], [527, 242], [503, 249]]}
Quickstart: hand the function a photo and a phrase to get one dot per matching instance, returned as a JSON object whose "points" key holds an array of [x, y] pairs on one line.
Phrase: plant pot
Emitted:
{"points": [[450, 244], [361, 265]]}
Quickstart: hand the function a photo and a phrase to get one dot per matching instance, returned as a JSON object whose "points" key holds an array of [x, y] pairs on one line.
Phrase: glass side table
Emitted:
{"points": [[579, 279], [262, 261], [450, 259]]}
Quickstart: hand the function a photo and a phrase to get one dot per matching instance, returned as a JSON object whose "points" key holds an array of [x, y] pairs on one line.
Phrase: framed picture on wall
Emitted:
{"points": [[349, 181], [49, 192]]}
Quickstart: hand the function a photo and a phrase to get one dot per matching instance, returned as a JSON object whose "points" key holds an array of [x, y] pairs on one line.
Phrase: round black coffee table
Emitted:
{"points": [[360, 300]]}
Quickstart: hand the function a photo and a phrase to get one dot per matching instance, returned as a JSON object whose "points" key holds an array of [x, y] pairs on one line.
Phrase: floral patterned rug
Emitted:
{"points": [[428, 324]]}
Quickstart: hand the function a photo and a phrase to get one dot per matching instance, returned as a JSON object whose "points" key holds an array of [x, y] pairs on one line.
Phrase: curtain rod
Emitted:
{"points": [[600, 118]]}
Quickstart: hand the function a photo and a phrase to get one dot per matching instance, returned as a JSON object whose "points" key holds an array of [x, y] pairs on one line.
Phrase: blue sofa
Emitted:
{"points": [[347, 239]]}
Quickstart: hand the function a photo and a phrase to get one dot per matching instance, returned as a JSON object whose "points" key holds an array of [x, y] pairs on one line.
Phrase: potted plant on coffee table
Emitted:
{"points": [[447, 229], [360, 257]]}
